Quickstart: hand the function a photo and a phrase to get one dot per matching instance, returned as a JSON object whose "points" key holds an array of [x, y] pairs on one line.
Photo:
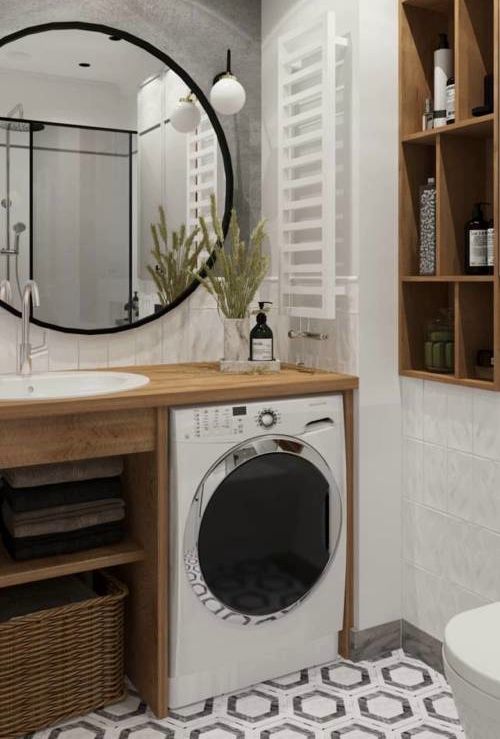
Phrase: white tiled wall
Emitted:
{"points": [[451, 501], [190, 333]]}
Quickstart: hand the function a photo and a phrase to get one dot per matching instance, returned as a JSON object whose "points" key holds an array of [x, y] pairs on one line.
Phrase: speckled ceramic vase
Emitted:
{"points": [[236, 339]]}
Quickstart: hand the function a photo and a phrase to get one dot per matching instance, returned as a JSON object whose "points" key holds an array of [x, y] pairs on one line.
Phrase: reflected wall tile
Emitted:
{"points": [[121, 352], [413, 469], [434, 489], [412, 394], [460, 418], [435, 412], [63, 351], [148, 344], [92, 352], [486, 424]]}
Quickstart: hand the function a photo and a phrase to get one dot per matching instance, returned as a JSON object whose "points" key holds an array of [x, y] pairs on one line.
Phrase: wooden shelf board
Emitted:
{"points": [[437, 6], [448, 278], [449, 379], [17, 573], [473, 127]]}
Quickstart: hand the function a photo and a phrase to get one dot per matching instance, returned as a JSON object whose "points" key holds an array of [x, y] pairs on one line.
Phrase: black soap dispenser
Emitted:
{"points": [[261, 337], [476, 243]]}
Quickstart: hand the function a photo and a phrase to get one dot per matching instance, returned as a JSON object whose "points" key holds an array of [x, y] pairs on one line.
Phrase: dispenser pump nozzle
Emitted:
{"points": [[443, 41]]}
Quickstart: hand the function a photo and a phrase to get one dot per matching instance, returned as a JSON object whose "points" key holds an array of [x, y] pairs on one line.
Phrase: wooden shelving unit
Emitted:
{"points": [[18, 573], [463, 159]]}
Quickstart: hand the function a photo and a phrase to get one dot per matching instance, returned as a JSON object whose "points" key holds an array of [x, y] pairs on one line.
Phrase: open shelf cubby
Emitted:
{"points": [[463, 160]]}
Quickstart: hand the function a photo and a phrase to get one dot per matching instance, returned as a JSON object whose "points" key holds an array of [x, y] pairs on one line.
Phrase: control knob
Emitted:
{"points": [[267, 418]]}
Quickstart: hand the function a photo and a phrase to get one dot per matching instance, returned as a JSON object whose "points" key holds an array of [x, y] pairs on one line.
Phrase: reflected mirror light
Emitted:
{"points": [[96, 135]]}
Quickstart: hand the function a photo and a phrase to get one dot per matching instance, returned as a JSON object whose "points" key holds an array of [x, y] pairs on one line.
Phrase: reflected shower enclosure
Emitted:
{"points": [[70, 220]]}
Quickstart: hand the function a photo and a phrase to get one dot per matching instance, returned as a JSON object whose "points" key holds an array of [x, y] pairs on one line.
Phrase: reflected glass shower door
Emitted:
{"points": [[81, 199], [14, 208]]}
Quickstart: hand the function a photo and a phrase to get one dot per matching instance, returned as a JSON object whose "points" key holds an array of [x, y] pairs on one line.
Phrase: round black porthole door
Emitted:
{"points": [[263, 528]]}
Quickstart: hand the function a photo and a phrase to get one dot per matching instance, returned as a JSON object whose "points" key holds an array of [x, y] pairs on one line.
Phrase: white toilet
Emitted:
{"points": [[471, 655]]}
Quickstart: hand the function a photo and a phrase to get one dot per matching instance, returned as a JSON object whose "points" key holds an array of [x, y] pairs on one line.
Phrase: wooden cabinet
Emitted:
{"points": [[463, 159]]}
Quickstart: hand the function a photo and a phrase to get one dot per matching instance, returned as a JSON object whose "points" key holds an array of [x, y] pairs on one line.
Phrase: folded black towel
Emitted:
{"points": [[48, 496], [21, 600], [33, 547]]}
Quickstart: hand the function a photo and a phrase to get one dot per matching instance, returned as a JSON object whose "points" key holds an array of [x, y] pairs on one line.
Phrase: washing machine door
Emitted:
{"points": [[263, 529]]}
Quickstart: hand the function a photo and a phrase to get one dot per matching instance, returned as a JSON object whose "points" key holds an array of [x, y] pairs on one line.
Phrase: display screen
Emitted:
{"points": [[240, 411]]}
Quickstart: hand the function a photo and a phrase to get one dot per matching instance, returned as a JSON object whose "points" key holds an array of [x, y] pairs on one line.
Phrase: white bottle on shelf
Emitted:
{"points": [[443, 71]]}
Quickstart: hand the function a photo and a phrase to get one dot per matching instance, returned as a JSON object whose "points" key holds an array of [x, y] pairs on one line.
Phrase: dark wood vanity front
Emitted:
{"points": [[135, 424]]}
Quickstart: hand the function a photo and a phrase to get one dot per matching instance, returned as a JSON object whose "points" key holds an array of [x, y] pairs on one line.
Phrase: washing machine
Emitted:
{"points": [[258, 542]]}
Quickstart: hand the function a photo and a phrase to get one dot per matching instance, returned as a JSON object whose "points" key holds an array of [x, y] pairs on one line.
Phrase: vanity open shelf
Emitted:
{"points": [[463, 160], [18, 573]]}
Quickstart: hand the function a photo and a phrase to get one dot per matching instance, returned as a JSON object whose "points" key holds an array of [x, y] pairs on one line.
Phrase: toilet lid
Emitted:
{"points": [[472, 647]]}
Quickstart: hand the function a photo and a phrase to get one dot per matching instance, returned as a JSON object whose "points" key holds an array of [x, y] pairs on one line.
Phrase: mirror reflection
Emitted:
{"points": [[107, 160]]}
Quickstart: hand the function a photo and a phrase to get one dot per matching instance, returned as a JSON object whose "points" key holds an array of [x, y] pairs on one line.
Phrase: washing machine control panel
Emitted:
{"points": [[230, 422]]}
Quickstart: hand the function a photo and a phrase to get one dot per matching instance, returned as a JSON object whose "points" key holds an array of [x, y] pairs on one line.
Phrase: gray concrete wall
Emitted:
{"points": [[196, 33]]}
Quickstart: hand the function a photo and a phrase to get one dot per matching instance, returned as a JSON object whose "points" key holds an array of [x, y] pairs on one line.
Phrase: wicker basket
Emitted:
{"points": [[63, 661]]}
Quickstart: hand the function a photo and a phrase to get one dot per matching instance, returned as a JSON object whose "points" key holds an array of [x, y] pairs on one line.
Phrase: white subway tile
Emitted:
{"points": [[435, 412], [425, 537], [63, 351], [412, 396], [473, 557], [148, 344], [460, 482], [460, 418], [92, 352], [413, 469], [175, 331], [206, 342], [429, 601], [486, 424], [39, 336], [121, 349], [434, 492], [8, 342]]}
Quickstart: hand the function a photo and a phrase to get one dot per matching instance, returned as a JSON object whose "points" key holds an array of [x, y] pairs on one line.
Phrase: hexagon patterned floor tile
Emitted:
{"points": [[397, 697]]}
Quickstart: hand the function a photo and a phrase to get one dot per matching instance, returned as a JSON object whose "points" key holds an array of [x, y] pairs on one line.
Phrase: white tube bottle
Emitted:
{"points": [[443, 71]]}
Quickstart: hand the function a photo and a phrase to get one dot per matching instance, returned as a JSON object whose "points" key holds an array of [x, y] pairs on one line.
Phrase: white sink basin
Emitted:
{"points": [[68, 385]]}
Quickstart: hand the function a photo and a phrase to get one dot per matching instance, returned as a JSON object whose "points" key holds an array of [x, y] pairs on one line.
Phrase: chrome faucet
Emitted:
{"points": [[26, 352], [5, 291]]}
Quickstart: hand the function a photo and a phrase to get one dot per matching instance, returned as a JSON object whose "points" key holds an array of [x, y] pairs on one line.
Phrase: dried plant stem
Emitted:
{"points": [[175, 263], [238, 272]]}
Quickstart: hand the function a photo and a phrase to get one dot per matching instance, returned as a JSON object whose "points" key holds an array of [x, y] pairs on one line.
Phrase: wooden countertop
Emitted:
{"points": [[188, 384]]}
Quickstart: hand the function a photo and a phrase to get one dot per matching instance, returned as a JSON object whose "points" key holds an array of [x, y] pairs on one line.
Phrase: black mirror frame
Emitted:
{"points": [[226, 157]]}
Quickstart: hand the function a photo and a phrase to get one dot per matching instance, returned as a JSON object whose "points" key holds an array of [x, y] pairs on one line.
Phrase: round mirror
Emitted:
{"points": [[109, 155]]}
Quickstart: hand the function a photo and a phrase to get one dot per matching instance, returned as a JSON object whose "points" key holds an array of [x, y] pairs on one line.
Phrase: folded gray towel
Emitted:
{"points": [[62, 511], [61, 524], [51, 474]]}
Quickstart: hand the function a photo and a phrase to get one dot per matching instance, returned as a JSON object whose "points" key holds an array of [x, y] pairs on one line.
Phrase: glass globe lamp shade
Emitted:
{"points": [[228, 96], [186, 116]]}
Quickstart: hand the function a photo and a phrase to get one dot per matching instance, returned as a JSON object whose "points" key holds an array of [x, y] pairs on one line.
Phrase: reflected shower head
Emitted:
{"points": [[18, 228], [21, 126]]}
